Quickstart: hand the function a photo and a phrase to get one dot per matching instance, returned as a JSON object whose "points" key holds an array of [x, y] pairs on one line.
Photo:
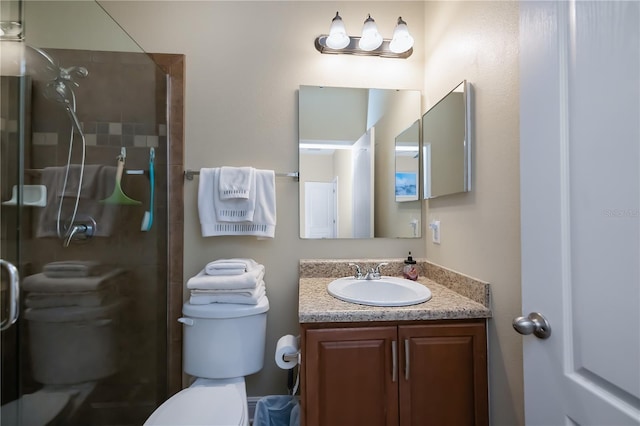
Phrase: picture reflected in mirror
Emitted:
{"points": [[407, 155], [349, 151]]}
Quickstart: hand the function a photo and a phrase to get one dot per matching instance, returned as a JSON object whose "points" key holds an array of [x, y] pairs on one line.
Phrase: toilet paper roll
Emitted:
{"points": [[287, 345]]}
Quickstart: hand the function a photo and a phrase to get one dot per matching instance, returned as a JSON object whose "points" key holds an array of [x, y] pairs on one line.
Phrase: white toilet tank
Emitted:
{"points": [[73, 344], [223, 340]]}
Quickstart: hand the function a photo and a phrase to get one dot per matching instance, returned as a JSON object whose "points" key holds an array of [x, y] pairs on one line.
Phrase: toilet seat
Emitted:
{"points": [[40, 408], [202, 405]]}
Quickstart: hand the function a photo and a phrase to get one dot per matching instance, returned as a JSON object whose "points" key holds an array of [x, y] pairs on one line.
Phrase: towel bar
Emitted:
{"points": [[38, 172], [290, 357], [189, 174]]}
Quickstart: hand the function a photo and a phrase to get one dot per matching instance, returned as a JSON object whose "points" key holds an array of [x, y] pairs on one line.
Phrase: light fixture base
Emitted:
{"points": [[353, 49]]}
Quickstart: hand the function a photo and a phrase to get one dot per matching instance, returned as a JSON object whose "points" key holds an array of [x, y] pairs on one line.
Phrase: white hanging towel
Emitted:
{"points": [[97, 183], [264, 215], [213, 208], [235, 182]]}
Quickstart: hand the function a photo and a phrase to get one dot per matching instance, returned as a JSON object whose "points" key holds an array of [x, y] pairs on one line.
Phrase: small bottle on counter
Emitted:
{"points": [[410, 270]]}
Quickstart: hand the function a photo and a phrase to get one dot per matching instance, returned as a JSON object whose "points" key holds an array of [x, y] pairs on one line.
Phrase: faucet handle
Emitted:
{"points": [[378, 266], [358, 273]]}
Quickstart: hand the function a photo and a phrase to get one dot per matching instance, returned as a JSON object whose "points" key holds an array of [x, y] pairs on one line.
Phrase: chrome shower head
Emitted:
{"points": [[60, 92]]}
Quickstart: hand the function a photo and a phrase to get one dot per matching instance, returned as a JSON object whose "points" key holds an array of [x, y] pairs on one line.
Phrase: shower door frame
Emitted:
{"points": [[174, 66], [11, 334]]}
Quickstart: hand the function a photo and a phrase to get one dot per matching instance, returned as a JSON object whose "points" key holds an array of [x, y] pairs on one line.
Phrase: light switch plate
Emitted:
{"points": [[435, 231]]}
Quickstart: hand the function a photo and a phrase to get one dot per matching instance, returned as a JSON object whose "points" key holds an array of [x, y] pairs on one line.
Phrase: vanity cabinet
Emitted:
{"points": [[395, 373]]}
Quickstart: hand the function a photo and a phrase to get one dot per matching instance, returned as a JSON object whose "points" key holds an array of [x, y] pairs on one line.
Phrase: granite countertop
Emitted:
{"points": [[315, 304]]}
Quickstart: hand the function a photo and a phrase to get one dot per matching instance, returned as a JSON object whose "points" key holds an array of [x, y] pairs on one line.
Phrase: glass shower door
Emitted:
{"points": [[12, 122], [92, 351]]}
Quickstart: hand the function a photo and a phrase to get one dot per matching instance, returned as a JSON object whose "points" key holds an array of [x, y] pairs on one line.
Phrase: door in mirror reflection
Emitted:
{"points": [[348, 138], [446, 144]]}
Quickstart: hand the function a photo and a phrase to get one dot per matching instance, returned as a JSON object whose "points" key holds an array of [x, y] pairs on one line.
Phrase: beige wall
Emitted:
{"points": [[392, 218], [480, 231], [241, 109]]}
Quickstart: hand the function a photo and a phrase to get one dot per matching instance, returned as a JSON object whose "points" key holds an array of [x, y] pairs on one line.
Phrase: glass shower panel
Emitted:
{"points": [[84, 119], [12, 102]]}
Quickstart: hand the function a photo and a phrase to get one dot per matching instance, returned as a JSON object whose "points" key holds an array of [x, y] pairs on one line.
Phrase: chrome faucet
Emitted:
{"points": [[75, 229], [358, 275], [82, 229], [372, 274]]}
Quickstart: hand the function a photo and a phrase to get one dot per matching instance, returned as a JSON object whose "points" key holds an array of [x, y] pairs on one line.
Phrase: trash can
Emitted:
{"points": [[277, 410]]}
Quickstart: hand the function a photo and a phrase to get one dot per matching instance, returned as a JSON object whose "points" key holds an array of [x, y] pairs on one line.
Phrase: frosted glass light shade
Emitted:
{"points": [[402, 40], [338, 38], [371, 38]]}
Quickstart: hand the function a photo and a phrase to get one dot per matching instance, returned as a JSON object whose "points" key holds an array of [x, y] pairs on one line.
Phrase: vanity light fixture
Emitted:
{"points": [[11, 31], [371, 38], [370, 43], [338, 38], [402, 40]]}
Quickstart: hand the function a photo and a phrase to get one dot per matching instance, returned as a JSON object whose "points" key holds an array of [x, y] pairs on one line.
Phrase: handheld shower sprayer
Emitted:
{"points": [[60, 88]]}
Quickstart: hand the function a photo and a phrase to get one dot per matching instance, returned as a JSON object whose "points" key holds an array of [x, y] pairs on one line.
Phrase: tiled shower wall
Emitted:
{"points": [[121, 103]]}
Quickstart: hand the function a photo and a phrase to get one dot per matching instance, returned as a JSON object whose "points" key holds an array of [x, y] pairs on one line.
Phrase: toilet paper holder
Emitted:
{"points": [[291, 357]]}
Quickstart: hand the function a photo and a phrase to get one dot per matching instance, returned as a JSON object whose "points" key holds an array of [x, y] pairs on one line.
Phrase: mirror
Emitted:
{"points": [[446, 149], [348, 162], [407, 155]]}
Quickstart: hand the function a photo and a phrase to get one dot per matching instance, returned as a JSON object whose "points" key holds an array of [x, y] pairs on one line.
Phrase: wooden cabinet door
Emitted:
{"points": [[349, 377], [443, 375]]}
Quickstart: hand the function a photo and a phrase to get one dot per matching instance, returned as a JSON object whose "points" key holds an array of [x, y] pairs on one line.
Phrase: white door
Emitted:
{"points": [[363, 186], [580, 201], [320, 209]]}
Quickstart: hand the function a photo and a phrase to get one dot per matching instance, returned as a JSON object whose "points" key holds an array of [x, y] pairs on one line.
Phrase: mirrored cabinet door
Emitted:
{"points": [[446, 144]]}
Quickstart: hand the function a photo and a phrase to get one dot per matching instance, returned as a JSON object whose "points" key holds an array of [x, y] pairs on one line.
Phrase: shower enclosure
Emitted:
{"points": [[87, 158]]}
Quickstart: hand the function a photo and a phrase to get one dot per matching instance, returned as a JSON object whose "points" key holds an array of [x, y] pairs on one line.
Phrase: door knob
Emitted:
{"points": [[535, 323]]}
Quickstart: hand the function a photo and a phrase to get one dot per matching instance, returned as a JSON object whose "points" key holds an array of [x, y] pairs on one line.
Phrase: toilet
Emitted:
{"points": [[222, 343], [73, 324], [72, 345]]}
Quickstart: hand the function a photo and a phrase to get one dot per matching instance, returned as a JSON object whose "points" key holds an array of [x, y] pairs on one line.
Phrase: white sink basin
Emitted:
{"points": [[387, 291]]}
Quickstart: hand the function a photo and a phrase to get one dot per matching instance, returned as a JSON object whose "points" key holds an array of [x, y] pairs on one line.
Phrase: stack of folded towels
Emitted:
{"points": [[72, 283], [228, 281]]}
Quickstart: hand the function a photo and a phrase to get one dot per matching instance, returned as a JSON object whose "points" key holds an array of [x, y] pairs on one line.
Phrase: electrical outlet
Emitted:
{"points": [[435, 231]]}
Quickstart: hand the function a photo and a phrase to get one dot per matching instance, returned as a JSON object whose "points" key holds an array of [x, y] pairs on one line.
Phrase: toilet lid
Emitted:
{"points": [[201, 406]]}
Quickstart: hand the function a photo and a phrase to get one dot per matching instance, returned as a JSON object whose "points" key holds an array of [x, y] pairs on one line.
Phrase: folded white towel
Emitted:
{"points": [[240, 300], [71, 268], [239, 291], [228, 271], [246, 296], [264, 216], [40, 283], [235, 182], [87, 299], [230, 266], [214, 209], [249, 279]]}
